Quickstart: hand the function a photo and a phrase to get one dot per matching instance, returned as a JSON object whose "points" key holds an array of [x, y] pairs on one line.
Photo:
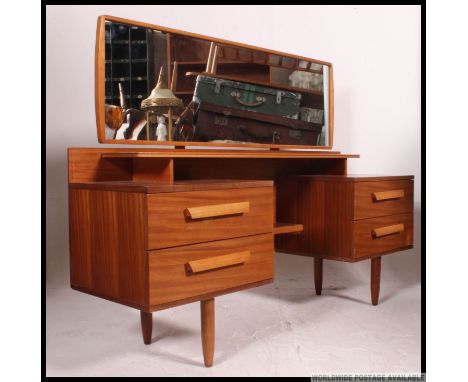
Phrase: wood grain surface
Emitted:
{"points": [[365, 243], [214, 153], [325, 211], [107, 242], [168, 226], [271, 168], [152, 187], [365, 205], [169, 280], [124, 164]]}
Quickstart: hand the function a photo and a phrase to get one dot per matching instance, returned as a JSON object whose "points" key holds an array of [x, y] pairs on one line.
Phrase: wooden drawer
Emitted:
{"points": [[381, 198], [382, 234], [186, 272], [181, 218]]}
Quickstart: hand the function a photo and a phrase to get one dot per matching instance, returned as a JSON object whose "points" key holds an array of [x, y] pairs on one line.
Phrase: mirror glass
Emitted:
{"points": [[227, 93]]}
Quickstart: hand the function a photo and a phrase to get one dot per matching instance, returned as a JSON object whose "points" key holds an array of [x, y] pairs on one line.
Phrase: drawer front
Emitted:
{"points": [[189, 271], [381, 198], [182, 218], [383, 234]]}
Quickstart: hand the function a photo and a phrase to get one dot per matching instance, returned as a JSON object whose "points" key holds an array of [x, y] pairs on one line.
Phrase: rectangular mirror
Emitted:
{"points": [[159, 86]]}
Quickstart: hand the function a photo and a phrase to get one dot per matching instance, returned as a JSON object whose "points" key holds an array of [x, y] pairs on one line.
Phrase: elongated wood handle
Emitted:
{"points": [[388, 230], [217, 210], [217, 262], [386, 195]]}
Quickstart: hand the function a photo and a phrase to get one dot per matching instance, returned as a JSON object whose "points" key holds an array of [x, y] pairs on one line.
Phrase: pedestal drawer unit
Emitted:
{"points": [[155, 245], [347, 218], [137, 242]]}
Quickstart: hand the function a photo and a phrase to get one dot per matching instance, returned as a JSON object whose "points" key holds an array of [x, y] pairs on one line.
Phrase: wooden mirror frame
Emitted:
{"points": [[100, 89]]}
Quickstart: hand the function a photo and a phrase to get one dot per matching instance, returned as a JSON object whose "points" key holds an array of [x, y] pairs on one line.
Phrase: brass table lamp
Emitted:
{"points": [[160, 101]]}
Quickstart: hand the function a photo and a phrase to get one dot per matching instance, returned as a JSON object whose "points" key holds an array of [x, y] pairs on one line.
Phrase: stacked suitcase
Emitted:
{"points": [[232, 111]]}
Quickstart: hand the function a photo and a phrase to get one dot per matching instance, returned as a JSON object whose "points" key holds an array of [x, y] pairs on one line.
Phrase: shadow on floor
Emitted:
{"points": [[131, 343]]}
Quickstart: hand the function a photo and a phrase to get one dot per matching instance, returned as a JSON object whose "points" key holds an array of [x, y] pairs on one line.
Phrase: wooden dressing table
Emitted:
{"points": [[153, 228]]}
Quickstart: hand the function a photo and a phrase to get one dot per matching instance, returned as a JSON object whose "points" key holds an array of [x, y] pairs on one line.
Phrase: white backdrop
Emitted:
{"points": [[376, 53]]}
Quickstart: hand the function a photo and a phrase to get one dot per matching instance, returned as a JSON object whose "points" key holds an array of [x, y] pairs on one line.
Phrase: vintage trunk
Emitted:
{"points": [[214, 122], [245, 96]]}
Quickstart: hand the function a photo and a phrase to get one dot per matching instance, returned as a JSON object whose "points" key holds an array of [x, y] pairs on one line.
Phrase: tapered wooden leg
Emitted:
{"points": [[375, 279], [146, 326], [208, 330], [318, 274]]}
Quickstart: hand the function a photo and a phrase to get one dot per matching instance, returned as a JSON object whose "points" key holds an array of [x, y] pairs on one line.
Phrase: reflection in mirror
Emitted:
{"points": [[230, 94]]}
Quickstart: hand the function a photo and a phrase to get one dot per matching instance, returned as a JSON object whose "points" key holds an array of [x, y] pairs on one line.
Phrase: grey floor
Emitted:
{"points": [[280, 329]]}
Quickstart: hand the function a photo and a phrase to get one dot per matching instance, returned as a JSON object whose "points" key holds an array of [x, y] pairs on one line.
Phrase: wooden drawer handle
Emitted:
{"points": [[387, 195], [217, 210], [389, 230], [216, 262]]}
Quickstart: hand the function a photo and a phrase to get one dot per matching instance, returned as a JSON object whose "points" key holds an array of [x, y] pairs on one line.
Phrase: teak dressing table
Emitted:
{"points": [[153, 228]]}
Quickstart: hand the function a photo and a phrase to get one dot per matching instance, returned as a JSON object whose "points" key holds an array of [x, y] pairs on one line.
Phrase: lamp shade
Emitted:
{"points": [[161, 98]]}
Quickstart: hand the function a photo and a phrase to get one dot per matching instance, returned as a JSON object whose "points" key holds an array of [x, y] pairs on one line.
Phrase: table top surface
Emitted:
{"points": [[107, 152], [154, 187], [355, 177]]}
